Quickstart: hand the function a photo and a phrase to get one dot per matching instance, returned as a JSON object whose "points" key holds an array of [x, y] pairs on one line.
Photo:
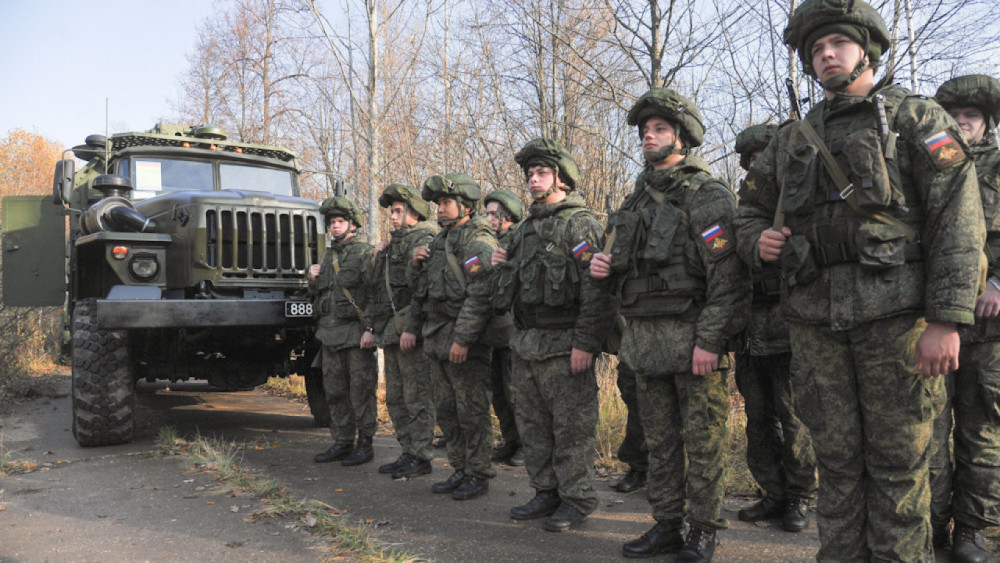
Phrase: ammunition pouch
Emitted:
{"points": [[662, 230], [868, 172], [627, 225], [801, 177]]}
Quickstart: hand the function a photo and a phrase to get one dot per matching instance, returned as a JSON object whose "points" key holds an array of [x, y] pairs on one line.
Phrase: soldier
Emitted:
{"points": [[685, 295], [870, 207], [633, 450], [779, 451], [973, 499], [409, 389], [350, 371], [451, 309], [561, 318], [504, 210]]}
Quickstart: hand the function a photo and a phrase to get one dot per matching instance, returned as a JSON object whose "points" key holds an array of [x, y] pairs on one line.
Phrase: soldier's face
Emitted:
{"points": [[971, 121], [491, 214], [753, 156], [657, 134], [339, 226], [541, 179], [448, 209], [835, 54], [397, 214]]}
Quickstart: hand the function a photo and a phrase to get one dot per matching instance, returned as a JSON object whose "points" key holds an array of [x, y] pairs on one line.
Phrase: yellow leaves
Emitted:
{"points": [[26, 163]]}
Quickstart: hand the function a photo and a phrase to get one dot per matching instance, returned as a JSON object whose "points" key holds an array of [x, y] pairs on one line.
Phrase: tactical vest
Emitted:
{"points": [[395, 257], [331, 297], [440, 287]]}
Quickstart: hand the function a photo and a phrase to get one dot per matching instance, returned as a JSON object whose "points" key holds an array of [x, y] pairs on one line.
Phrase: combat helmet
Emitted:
{"points": [[456, 185], [549, 153], [976, 90], [341, 207], [407, 195], [509, 201], [857, 20], [753, 139], [676, 109]]}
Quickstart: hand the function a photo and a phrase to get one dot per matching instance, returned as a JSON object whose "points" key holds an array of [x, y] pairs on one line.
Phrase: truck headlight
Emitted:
{"points": [[144, 267]]}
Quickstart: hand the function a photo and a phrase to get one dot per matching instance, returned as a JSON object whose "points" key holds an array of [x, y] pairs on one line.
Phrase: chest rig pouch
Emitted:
{"points": [[547, 273], [443, 284], [627, 224]]}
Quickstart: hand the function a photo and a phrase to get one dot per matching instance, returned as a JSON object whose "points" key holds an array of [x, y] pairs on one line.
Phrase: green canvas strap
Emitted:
{"points": [[347, 294], [453, 262], [397, 316]]}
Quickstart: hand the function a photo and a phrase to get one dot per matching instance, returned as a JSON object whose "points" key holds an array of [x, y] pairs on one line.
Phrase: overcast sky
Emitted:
{"points": [[60, 60]]}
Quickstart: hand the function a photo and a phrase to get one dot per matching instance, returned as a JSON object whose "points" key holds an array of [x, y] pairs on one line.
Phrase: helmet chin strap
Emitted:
{"points": [[840, 82], [462, 213], [664, 152]]}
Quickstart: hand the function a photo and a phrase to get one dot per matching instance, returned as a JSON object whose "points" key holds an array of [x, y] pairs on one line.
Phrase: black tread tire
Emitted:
{"points": [[316, 397], [103, 386]]}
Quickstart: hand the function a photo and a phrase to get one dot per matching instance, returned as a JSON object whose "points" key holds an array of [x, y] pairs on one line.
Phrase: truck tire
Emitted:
{"points": [[316, 396], [103, 386]]}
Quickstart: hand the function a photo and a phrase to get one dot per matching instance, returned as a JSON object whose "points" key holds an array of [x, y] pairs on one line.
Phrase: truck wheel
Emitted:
{"points": [[318, 406], [103, 387]]}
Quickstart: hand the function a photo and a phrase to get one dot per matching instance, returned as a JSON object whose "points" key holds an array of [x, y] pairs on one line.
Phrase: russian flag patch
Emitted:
{"points": [[583, 251], [472, 265], [716, 238], [944, 149]]}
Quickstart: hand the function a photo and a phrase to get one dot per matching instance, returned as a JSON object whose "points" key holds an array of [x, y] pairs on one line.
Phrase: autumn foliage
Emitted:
{"points": [[26, 163]]}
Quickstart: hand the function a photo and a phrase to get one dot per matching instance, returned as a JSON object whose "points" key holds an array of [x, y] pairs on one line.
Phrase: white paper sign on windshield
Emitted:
{"points": [[147, 176]]}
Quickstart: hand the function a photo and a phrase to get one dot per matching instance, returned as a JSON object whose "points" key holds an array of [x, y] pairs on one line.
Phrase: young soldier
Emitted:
{"points": [[409, 389], [685, 295], [349, 370], [504, 210], [561, 319], [779, 450], [870, 207], [451, 308], [974, 389]]}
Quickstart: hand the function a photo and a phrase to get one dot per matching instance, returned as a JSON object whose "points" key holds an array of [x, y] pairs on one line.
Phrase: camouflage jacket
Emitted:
{"points": [[339, 316], [986, 155], [545, 281], [676, 259], [383, 307], [843, 268], [442, 310]]}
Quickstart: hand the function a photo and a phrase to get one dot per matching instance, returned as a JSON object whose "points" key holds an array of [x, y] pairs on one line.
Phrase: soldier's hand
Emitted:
{"points": [[499, 257], [988, 304], [580, 361], [771, 242], [367, 340], [600, 266], [381, 245], [314, 271], [458, 353], [704, 362], [420, 254], [937, 349], [407, 341]]}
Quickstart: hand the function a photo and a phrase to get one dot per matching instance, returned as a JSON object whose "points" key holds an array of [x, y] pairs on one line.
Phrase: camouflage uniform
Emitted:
{"points": [[856, 295], [444, 313], [500, 379], [633, 450], [409, 389], [556, 308], [350, 374]]}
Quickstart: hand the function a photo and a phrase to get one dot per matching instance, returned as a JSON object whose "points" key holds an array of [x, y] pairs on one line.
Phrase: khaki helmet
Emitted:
{"points": [[456, 185], [407, 195], [549, 153], [341, 207], [676, 109], [509, 201], [974, 90], [857, 20], [753, 139]]}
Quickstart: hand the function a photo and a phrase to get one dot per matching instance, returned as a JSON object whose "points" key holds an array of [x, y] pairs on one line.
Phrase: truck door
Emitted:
{"points": [[34, 251]]}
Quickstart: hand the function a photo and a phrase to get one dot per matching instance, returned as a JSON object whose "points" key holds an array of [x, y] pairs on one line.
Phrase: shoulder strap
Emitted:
{"points": [[347, 294], [452, 261], [779, 211]]}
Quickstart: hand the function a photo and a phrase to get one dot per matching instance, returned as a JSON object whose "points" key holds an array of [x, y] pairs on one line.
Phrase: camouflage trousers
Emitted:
{"points": [[349, 380], [409, 398], [503, 406], [557, 410], [686, 421], [869, 413], [463, 411], [972, 493], [633, 450], [779, 449]]}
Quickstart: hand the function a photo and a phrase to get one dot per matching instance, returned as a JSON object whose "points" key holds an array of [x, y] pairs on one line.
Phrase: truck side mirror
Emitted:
{"points": [[62, 181]]}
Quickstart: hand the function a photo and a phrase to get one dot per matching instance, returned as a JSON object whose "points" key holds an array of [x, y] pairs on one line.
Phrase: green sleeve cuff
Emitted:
{"points": [[957, 316]]}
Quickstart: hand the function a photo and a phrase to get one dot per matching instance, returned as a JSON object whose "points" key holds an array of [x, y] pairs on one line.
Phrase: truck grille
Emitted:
{"points": [[261, 244]]}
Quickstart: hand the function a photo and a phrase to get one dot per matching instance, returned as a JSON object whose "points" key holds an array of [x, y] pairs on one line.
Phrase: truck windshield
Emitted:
{"points": [[154, 176], [256, 178]]}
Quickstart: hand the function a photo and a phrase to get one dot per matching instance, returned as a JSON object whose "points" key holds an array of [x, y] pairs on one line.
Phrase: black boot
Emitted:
{"points": [[941, 534], [796, 516], [361, 454], [544, 504], [660, 539], [412, 468], [633, 481], [471, 488], [968, 546], [699, 547], [564, 518], [335, 453], [502, 453], [450, 485], [392, 467], [766, 508]]}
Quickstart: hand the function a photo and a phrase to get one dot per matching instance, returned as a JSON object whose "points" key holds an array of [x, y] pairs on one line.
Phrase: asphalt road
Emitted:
{"points": [[132, 503]]}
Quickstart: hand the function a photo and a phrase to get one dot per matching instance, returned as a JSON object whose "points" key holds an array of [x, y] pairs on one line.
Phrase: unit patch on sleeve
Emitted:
{"points": [[472, 265], [716, 238], [944, 149], [583, 251]]}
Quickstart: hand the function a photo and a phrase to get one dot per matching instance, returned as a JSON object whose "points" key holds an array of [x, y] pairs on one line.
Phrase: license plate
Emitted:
{"points": [[298, 309]]}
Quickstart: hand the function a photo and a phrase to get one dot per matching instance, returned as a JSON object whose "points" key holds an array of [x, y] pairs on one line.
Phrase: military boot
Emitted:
{"points": [[660, 539], [565, 517], [335, 453], [764, 509], [412, 468], [544, 504], [796, 516], [363, 453], [392, 467], [450, 484], [969, 546], [471, 488], [633, 481], [699, 547]]}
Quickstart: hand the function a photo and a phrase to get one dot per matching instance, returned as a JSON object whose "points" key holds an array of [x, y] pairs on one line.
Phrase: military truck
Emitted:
{"points": [[186, 258]]}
